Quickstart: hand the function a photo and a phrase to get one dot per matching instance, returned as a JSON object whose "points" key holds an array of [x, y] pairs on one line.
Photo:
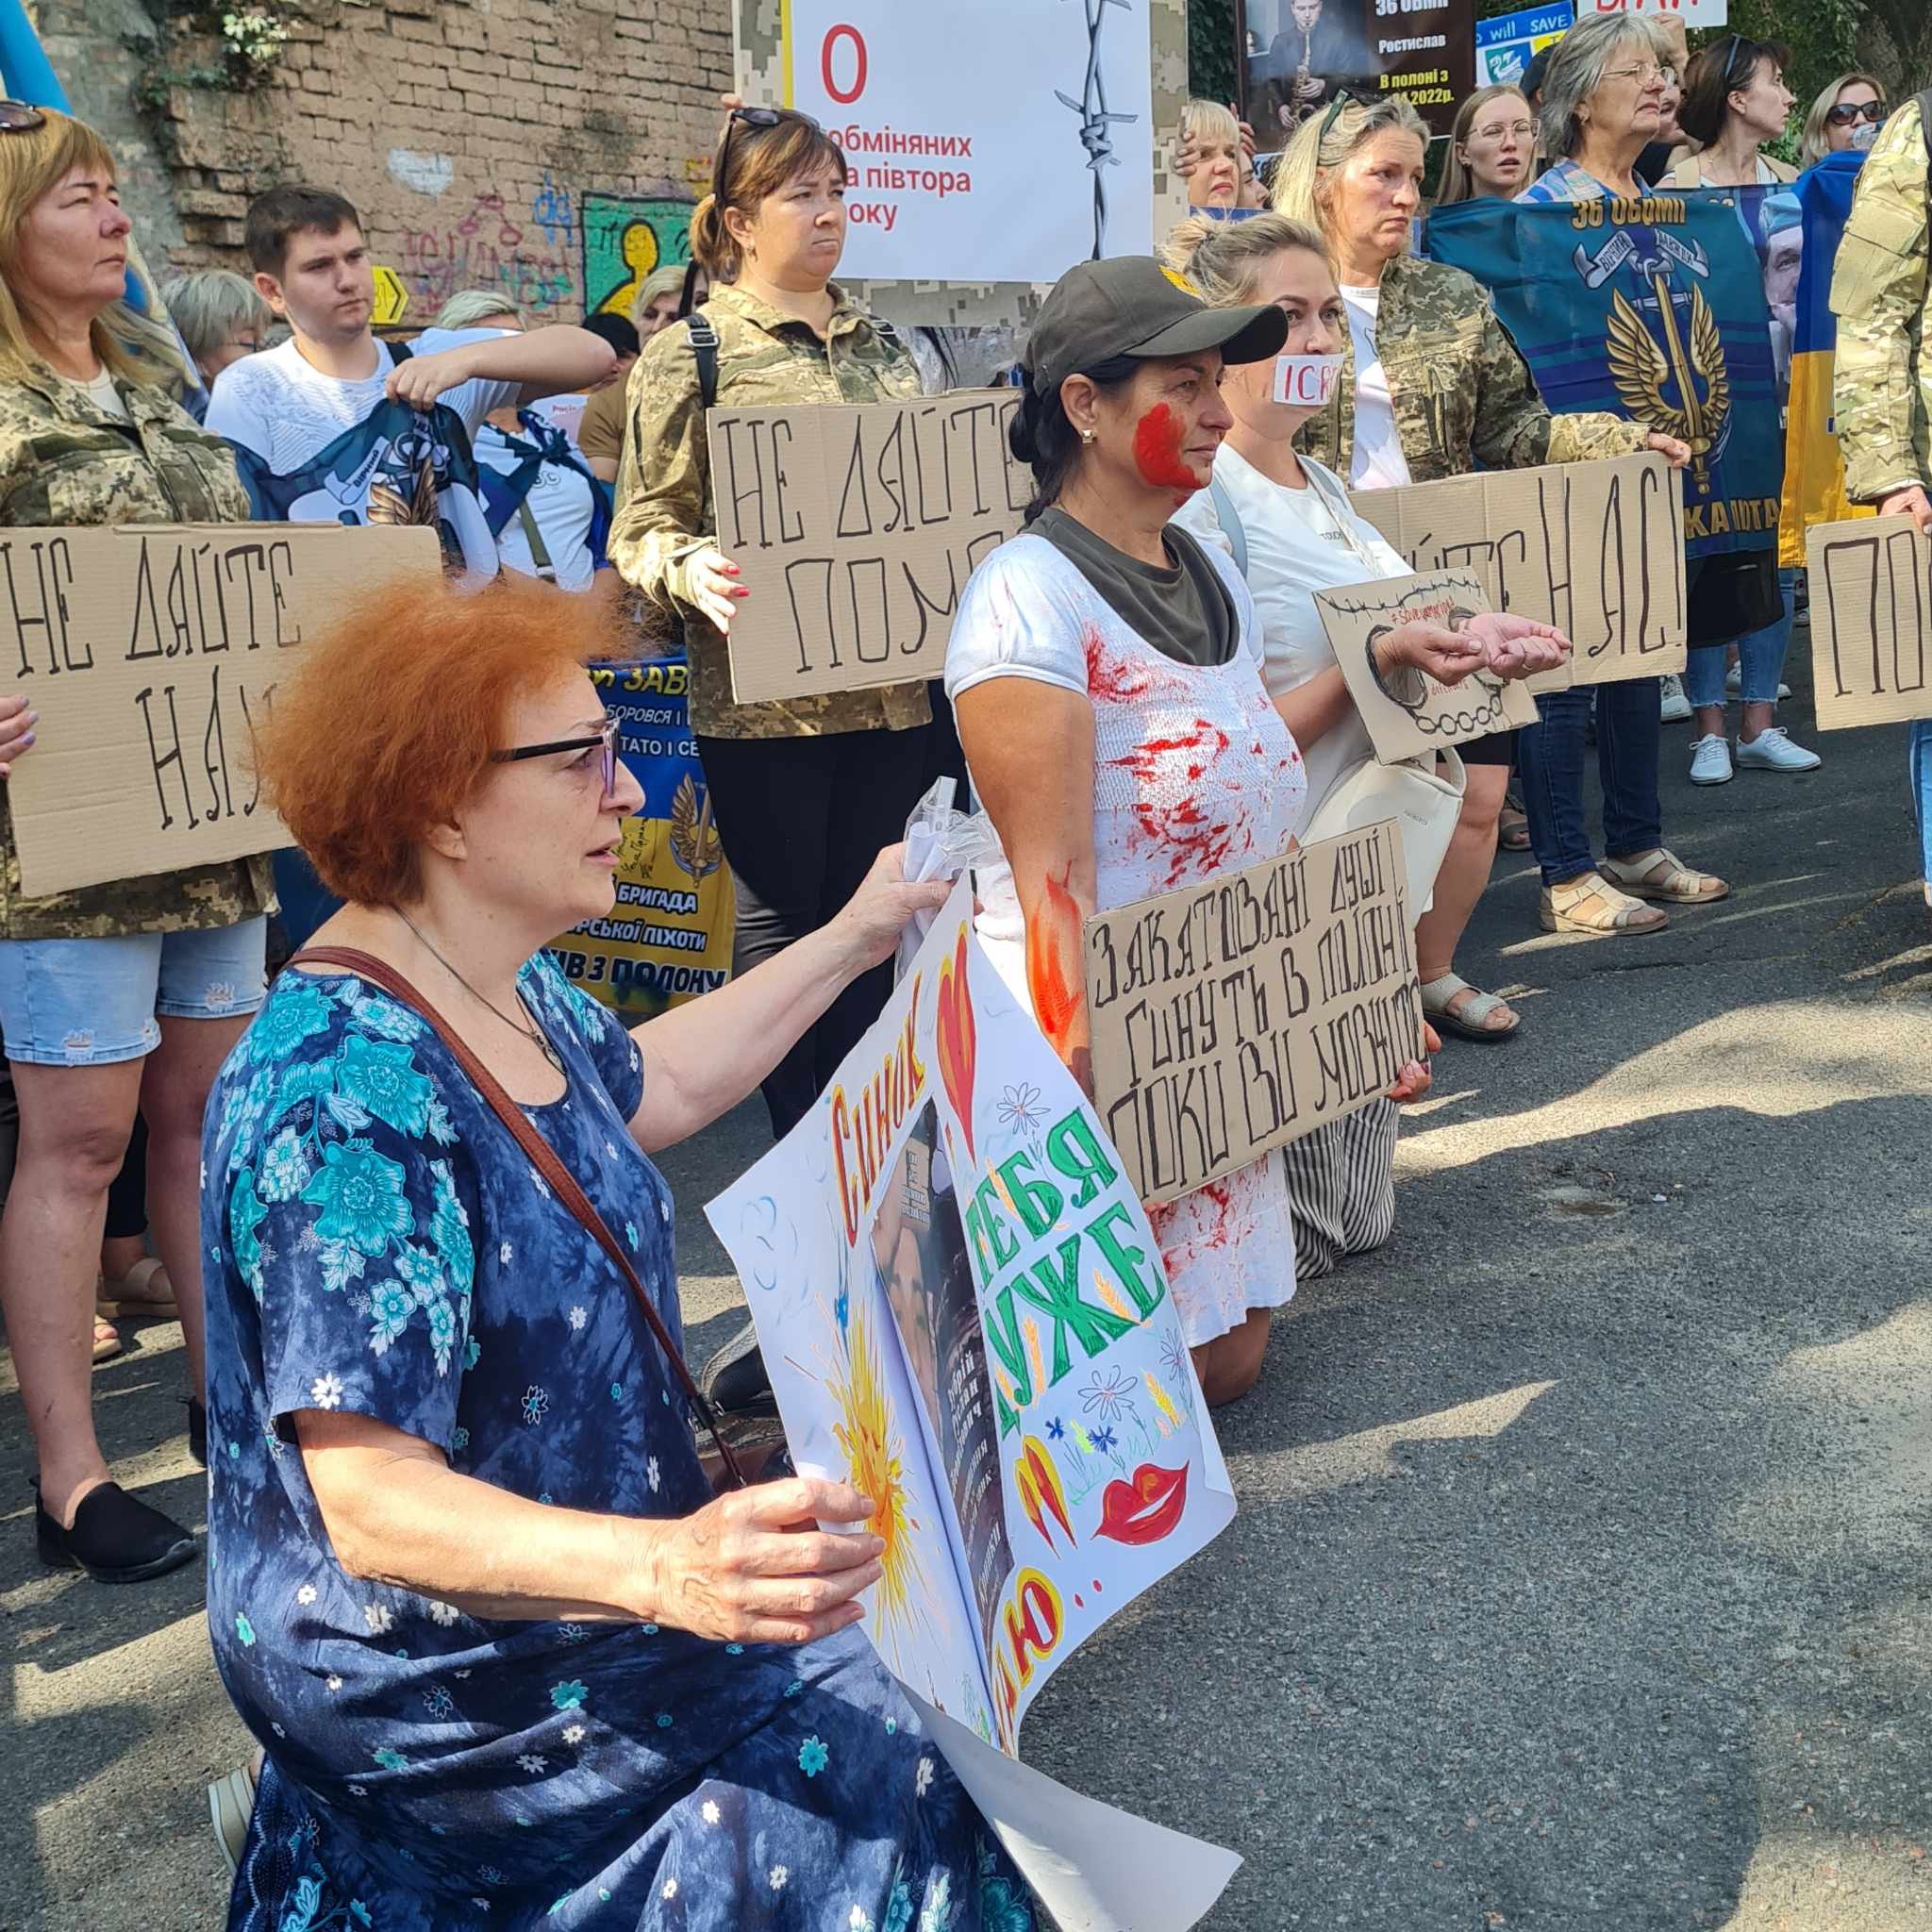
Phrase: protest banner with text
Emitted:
{"points": [[148, 650], [1593, 548], [855, 528], [1234, 1017], [1406, 711], [1871, 613]]}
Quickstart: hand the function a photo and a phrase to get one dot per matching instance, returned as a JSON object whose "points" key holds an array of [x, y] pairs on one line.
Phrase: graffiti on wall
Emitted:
{"points": [[524, 258], [625, 239]]}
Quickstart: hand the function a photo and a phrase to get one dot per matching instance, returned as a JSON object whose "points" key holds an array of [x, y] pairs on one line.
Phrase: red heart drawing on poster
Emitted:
{"points": [[955, 1036]]}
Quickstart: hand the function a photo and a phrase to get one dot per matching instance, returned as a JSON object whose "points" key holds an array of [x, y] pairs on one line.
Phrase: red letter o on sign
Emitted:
{"points": [[832, 88]]}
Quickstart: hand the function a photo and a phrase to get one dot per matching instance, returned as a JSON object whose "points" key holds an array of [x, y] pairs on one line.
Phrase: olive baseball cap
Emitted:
{"points": [[1131, 305]]}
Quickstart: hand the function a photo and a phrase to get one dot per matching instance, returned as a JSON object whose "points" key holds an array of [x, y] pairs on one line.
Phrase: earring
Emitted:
{"points": [[1086, 436]]}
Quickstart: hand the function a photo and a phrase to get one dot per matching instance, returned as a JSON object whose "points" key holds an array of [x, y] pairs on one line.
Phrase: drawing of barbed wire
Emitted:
{"points": [[1096, 122]]}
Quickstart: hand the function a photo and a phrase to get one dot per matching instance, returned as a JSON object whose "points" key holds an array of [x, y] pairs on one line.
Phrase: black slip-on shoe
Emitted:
{"points": [[115, 1539]]}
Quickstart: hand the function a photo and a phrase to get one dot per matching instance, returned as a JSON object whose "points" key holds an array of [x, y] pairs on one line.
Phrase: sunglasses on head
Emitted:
{"points": [[20, 117], [1342, 99], [1847, 112], [764, 120], [1738, 46]]}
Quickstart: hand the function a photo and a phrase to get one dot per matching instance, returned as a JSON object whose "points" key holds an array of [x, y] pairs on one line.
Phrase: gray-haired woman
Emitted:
{"points": [[221, 316]]}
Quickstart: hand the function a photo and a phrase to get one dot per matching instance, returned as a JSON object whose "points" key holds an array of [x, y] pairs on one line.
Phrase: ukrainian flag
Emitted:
{"points": [[1814, 470]]}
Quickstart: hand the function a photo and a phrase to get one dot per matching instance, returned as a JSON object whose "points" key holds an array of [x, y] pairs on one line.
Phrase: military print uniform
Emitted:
{"points": [[64, 461], [664, 513], [1882, 386], [1462, 393]]}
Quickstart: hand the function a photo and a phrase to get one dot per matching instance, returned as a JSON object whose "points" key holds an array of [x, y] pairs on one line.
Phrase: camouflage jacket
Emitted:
{"points": [[1882, 386], [664, 514], [63, 460], [1462, 392]]}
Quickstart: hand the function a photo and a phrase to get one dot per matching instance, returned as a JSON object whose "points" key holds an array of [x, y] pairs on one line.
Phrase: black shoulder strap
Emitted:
{"points": [[704, 346], [400, 352]]}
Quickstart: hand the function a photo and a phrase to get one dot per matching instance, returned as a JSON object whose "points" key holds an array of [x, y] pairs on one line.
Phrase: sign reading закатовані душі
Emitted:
{"points": [[854, 527], [148, 649]]}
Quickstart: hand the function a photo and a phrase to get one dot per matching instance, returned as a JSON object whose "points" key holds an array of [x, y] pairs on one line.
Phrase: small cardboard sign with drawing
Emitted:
{"points": [[1871, 622], [1408, 713], [1234, 1017], [855, 528], [148, 649], [1596, 549]]}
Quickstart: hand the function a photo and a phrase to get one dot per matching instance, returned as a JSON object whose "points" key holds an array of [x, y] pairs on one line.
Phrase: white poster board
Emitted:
{"points": [[998, 143], [1697, 13]]}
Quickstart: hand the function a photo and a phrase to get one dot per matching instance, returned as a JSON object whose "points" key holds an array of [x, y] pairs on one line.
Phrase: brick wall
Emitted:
{"points": [[487, 145]]}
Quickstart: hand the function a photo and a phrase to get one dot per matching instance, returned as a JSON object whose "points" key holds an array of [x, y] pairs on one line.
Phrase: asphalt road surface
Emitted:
{"points": [[1580, 1578]]}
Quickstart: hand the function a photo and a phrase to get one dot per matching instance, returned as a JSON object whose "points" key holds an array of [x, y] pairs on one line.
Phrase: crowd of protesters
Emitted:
{"points": [[572, 458]]}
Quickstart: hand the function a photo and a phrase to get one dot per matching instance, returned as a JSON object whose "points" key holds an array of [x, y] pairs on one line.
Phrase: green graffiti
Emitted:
{"points": [[625, 240]]}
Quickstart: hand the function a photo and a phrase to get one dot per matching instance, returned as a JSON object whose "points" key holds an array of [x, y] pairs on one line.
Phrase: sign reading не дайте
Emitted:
{"points": [[147, 649]]}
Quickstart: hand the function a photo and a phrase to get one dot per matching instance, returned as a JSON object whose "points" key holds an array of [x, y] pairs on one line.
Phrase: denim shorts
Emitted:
{"points": [[91, 1003]]}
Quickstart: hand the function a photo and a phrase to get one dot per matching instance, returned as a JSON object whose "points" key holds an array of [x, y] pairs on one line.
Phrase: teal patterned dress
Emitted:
{"points": [[378, 1243]]}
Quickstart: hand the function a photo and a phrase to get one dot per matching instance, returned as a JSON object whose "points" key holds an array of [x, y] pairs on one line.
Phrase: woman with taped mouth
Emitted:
{"points": [[1287, 522], [1106, 675]]}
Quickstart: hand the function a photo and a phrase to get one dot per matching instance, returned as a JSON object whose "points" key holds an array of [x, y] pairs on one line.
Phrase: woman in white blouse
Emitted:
{"points": [[1287, 518]]}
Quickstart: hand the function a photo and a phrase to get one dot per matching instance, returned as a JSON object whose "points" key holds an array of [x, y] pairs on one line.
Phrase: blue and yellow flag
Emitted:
{"points": [[1651, 310], [1814, 470]]}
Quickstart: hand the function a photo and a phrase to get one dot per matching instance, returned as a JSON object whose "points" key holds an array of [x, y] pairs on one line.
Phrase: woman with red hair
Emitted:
{"points": [[468, 1583]]}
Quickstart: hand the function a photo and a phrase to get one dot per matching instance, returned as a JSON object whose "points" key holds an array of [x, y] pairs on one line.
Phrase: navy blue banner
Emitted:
{"points": [[1653, 309]]}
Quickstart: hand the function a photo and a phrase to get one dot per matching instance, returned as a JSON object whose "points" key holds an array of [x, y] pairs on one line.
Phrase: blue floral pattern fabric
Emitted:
{"points": [[377, 1243]]}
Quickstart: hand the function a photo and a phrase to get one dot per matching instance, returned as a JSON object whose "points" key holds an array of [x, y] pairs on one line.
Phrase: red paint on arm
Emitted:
{"points": [[1157, 451]]}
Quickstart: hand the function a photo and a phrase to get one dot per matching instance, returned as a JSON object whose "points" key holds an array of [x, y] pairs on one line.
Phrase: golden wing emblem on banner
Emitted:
{"points": [[694, 842], [1641, 369], [387, 505]]}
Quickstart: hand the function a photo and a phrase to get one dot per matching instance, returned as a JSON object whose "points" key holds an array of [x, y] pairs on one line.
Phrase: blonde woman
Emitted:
{"points": [[1431, 386], [658, 296], [118, 995], [1847, 115], [1492, 147], [1215, 158]]}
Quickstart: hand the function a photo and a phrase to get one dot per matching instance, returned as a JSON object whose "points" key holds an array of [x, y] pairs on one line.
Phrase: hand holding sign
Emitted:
{"points": [[16, 732], [714, 586], [1518, 647]]}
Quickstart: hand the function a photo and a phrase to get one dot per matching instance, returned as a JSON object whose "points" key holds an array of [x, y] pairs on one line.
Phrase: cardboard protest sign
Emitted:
{"points": [[1871, 622], [668, 937], [854, 527], [964, 1311], [1298, 55], [147, 649], [1408, 712], [1236, 1016], [1596, 549]]}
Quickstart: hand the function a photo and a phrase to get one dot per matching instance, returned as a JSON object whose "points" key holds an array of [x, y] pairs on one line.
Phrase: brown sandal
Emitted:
{"points": [[1512, 830], [1662, 875], [1590, 904], [144, 1293]]}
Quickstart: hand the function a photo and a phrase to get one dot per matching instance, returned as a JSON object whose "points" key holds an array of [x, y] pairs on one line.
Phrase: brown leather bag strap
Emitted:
{"points": [[543, 1158]]}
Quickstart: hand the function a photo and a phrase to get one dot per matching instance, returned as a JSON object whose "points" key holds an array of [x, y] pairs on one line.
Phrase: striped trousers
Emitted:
{"points": [[1342, 1188]]}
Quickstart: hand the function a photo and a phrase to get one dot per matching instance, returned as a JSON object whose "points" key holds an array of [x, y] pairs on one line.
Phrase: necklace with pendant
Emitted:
{"points": [[533, 1033]]}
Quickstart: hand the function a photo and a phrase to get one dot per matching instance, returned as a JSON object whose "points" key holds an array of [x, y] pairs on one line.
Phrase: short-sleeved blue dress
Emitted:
{"points": [[377, 1242]]}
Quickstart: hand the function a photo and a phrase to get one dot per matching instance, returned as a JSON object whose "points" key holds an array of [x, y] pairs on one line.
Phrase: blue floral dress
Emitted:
{"points": [[378, 1243]]}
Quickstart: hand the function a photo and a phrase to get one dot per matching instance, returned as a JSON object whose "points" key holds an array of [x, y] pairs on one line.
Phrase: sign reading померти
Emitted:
{"points": [[1406, 711], [1236, 1016], [1596, 549], [148, 650], [1871, 622], [855, 528]]}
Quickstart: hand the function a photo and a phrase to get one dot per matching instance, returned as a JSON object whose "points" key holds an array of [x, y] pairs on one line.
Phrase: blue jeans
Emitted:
{"points": [[1760, 658], [1628, 732], [1919, 766]]}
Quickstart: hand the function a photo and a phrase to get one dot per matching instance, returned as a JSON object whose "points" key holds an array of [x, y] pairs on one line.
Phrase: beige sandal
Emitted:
{"points": [[1591, 905], [1664, 876], [106, 1343], [144, 1291]]}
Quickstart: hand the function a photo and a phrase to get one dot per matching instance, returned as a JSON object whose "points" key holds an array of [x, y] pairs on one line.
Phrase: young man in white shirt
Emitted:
{"points": [[284, 408]]}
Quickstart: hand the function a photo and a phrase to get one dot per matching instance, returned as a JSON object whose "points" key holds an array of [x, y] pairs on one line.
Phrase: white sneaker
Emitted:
{"points": [[1772, 751], [1734, 682], [1710, 761], [1676, 706]]}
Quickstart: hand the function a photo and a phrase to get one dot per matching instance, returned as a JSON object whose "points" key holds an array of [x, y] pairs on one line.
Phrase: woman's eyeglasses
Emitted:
{"points": [[763, 119], [1846, 113], [1648, 75], [607, 740], [1342, 99]]}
